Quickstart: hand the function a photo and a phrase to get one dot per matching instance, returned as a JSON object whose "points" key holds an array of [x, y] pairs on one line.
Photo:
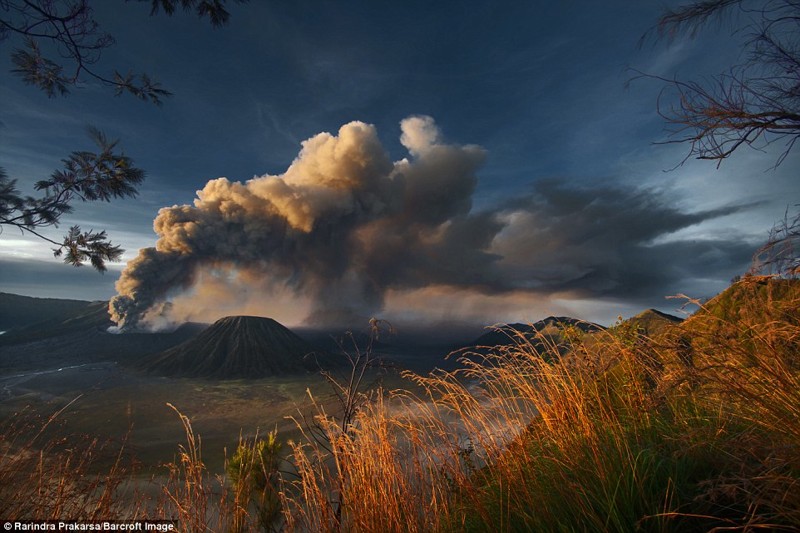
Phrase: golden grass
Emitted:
{"points": [[624, 431], [45, 475]]}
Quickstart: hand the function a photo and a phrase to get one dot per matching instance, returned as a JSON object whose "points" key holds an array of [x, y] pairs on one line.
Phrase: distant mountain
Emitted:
{"points": [[86, 317], [341, 341], [552, 326], [50, 333], [18, 311], [87, 346], [236, 347]]}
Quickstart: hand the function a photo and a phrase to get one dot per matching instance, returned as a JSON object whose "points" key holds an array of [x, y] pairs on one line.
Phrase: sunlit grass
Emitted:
{"points": [[622, 432]]}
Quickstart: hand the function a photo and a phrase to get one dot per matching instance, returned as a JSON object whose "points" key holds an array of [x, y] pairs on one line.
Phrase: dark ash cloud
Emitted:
{"points": [[345, 224], [609, 242]]}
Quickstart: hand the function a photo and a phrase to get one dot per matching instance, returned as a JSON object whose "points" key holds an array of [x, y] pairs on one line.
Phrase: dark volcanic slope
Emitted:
{"points": [[510, 334], [88, 345], [90, 317], [236, 347], [20, 311]]}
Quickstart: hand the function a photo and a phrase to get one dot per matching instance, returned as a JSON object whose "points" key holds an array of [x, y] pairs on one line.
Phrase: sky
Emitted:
{"points": [[438, 163]]}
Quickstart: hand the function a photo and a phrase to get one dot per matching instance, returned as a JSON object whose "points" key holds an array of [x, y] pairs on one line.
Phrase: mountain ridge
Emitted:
{"points": [[18, 311], [513, 333]]}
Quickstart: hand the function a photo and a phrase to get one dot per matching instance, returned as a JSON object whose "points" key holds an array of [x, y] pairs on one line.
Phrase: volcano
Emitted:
{"points": [[236, 347]]}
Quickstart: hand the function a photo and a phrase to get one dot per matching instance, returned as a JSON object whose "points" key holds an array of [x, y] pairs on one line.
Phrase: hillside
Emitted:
{"points": [[90, 345], [51, 332], [91, 316], [551, 327], [18, 311], [630, 435], [653, 323], [754, 298], [236, 347]]}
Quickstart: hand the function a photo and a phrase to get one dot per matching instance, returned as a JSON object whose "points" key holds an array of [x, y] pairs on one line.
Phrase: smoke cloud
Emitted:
{"points": [[345, 226], [339, 227]]}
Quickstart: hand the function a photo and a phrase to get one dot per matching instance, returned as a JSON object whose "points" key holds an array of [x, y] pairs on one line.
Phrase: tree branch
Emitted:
{"points": [[86, 176]]}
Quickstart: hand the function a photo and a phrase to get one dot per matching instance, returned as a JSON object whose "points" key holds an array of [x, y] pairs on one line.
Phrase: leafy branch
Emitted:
{"points": [[86, 176], [213, 9], [70, 32]]}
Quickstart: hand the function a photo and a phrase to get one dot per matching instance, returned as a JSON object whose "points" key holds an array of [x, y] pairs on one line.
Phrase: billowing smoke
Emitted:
{"points": [[345, 230], [339, 227]]}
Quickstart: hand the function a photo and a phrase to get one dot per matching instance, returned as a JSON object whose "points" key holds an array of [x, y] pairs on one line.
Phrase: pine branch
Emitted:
{"points": [[86, 176]]}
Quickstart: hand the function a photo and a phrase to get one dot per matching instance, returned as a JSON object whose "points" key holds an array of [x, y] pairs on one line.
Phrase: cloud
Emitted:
{"points": [[603, 241], [419, 134], [53, 279], [345, 226], [325, 228]]}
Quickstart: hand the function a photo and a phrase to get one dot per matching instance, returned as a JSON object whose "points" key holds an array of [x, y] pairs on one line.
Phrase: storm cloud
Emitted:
{"points": [[607, 241], [345, 224]]}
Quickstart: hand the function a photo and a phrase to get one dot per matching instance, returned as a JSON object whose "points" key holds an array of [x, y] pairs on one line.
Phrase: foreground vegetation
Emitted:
{"points": [[690, 427]]}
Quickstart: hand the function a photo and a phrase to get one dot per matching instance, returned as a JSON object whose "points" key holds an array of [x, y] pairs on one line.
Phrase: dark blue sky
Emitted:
{"points": [[540, 86]]}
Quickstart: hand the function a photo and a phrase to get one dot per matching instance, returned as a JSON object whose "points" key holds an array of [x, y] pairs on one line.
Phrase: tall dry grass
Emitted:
{"points": [[461, 455], [747, 356], [49, 474], [46, 473], [622, 432]]}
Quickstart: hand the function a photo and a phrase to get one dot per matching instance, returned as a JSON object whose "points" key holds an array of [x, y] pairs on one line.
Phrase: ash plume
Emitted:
{"points": [[339, 227], [346, 231]]}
